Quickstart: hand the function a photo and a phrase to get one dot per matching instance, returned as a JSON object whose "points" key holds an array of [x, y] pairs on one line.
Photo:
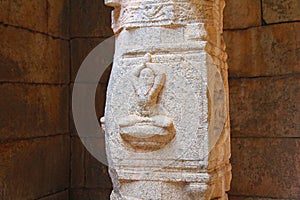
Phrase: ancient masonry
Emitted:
{"points": [[166, 117]]}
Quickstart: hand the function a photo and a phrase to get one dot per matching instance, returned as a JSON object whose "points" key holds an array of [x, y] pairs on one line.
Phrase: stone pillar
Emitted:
{"points": [[166, 117]]}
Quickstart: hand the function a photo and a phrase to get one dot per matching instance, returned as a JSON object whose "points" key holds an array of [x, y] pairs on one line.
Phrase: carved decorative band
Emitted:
{"points": [[141, 14]]}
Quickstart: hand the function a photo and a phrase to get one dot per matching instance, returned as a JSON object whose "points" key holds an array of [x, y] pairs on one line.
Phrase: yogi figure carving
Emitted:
{"points": [[147, 82], [145, 128]]}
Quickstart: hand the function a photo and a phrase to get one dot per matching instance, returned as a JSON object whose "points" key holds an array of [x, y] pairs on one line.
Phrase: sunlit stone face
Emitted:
{"points": [[157, 109], [146, 81]]}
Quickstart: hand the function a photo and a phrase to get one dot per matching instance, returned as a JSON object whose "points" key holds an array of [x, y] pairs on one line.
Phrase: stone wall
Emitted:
{"points": [[34, 99], [90, 24], [263, 46], [42, 44], [263, 57]]}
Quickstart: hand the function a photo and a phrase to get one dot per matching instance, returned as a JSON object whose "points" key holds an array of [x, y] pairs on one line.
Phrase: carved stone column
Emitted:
{"points": [[166, 117]]}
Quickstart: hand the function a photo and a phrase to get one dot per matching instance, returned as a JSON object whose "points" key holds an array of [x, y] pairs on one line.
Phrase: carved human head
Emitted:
{"points": [[146, 76]]}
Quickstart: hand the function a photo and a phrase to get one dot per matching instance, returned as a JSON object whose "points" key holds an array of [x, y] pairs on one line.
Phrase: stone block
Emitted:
{"points": [[99, 104], [266, 167], [58, 18], [64, 195], [40, 15], [4, 11], [86, 170], [265, 107], [90, 18], [32, 57], [281, 10], [31, 169], [96, 173], [242, 14], [29, 110], [28, 14], [77, 163], [264, 51], [80, 49], [99, 194]]}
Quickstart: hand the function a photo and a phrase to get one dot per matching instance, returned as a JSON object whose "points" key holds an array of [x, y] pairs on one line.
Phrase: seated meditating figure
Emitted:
{"points": [[145, 127]]}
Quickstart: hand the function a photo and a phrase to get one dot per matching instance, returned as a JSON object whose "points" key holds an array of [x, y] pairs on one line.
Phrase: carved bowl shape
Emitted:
{"points": [[147, 133]]}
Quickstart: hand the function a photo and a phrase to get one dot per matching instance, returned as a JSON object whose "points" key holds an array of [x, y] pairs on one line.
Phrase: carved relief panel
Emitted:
{"points": [[166, 101]]}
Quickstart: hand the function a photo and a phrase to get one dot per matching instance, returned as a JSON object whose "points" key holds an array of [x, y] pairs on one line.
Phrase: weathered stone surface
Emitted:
{"points": [[4, 12], [242, 14], [266, 167], [99, 194], [166, 105], [29, 14], [30, 169], [38, 110], [80, 48], [90, 18], [96, 173], [100, 98], [77, 163], [47, 16], [281, 10], [59, 17], [86, 171], [58, 196], [265, 107], [32, 57], [264, 51]]}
